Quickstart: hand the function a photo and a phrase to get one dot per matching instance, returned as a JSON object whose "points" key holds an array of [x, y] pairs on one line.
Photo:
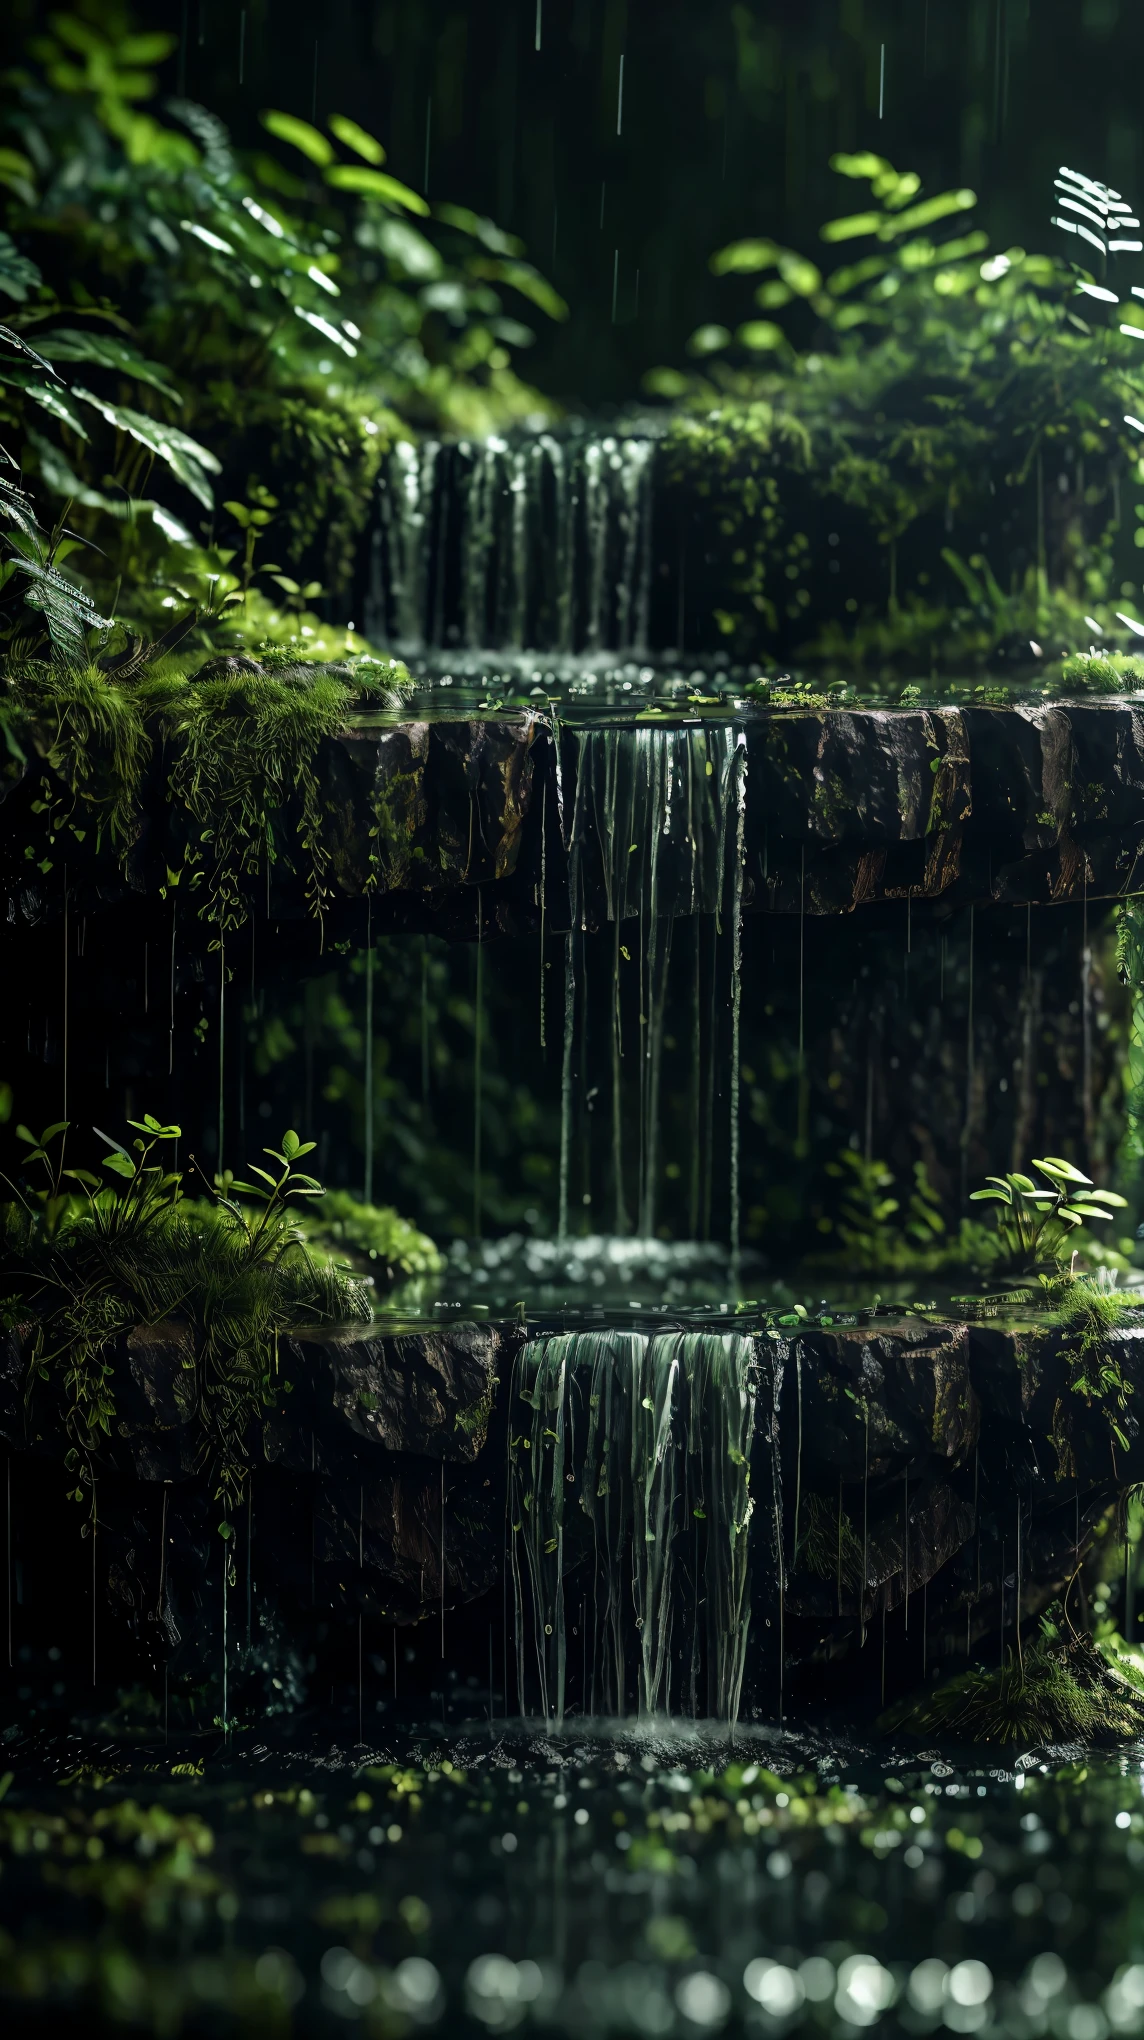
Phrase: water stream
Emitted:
{"points": [[544, 540], [635, 1524], [647, 843]]}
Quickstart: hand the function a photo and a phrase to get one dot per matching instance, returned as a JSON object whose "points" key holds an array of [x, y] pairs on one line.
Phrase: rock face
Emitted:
{"points": [[423, 1392], [441, 819], [896, 1465], [973, 806]]}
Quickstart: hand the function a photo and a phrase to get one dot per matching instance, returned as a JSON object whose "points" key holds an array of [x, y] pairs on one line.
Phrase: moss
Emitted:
{"points": [[1101, 673], [82, 1267], [238, 743], [1059, 1690], [374, 1237]]}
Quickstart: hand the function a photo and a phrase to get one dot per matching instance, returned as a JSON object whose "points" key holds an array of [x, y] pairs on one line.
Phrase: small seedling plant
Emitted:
{"points": [[1038, 1223]]}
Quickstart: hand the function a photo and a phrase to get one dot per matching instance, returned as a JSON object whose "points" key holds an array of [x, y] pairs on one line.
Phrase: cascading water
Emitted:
{"points": [[539, 542], [645, 1497], [647, 842]]}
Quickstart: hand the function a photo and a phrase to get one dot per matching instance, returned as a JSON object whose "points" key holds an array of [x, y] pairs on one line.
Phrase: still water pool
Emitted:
{"points": [[606, 1881]]}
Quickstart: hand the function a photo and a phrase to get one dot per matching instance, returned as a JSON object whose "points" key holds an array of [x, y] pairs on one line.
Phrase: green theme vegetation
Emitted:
{"points": [[240, 752], [87, 1261], [204, 357], [915, 451]]}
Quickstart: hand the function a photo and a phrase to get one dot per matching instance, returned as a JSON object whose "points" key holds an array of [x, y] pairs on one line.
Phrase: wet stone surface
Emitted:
{"points": [[890, 1466], [842, 808]]}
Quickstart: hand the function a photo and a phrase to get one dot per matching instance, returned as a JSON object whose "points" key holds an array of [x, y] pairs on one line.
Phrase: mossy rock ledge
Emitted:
{"points": [[905, 1449], [438, 821]]}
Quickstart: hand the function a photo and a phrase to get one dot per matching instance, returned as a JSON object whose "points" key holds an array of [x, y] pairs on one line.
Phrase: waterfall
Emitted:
{"points": [[647, 842], [407, 508], [649, 819], [630, 1473], [737, 993], [477, 538], [539, 542]]}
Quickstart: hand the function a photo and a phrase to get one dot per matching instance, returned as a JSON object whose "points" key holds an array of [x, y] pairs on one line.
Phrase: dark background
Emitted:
{"points": [[729, 116]]}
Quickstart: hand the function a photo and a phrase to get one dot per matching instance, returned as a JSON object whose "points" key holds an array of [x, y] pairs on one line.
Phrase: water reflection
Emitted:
{"points": [[596, 1882]]}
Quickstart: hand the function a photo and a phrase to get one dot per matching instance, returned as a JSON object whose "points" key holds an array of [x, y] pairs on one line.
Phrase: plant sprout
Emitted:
{"points": [[1036, 1226]]}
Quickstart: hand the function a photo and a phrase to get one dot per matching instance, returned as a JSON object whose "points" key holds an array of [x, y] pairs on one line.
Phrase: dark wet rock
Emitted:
{"points": [[428, 805], [968, 805], [895, 1466], [1027, 1377], [156, 1398], [879, 1398], [417, 1391], [844, 808], [1033, 1467], [426, 1532]]}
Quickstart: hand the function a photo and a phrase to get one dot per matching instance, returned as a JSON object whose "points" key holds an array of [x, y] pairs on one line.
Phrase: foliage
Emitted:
{"points": [[239, 746], [205, 351], [951, 423], [1088, 1309], [1101, 673], [1130, 968], [869, 1240], [1056, 1690], [85, 1260], [1037, 1223]]}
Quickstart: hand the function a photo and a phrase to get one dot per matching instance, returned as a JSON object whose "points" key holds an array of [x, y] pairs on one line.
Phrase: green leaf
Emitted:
{"points": [[528, 281], [286, 127], [863, 164], [120, 1165], [850, 228], [107, 350], [20, 346], [290, 1144], [1056, 1167], [53, 398], [708, 340], [188, 461], [745, 257], [19, 275], [375, 184], [480, 228], [760, 335], [151, 48], [924, 214], [356, 138]]}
